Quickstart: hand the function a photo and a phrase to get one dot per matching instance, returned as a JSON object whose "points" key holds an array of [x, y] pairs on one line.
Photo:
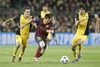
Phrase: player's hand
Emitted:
{"points": [[50, 31], [34, 25], [22, 26], [84, 19], [4, 24], [81, 20]]}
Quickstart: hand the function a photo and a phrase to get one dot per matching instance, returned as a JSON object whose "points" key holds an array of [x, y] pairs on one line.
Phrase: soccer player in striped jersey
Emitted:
{"points": [[22, 35], [43, 34], [42, 15], [82, 20]]}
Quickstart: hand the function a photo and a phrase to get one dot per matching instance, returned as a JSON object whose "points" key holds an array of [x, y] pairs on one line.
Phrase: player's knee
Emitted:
{"points": [[73, 42], [23, 48], [42, 44], [73, 48], [42, 51], [80, 41], [18, 43]]}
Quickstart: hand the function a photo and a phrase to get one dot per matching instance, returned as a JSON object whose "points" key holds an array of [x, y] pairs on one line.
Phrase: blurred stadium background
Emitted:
{"points": [[63, 11]]}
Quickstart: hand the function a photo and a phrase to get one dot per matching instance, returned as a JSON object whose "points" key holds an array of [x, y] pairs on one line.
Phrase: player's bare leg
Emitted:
{"points": [[74, 53], [74, 50], [40, 51], [78, 56], [22, 52], [37, 54], [80, 41], [15, 51], [79, 53]]}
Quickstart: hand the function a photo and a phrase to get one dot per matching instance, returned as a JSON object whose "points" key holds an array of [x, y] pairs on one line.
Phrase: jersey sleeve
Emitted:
{"points": [[76, 16], [36, 20], [39, 16], [52, 26], [91, 15], [16, 18]]}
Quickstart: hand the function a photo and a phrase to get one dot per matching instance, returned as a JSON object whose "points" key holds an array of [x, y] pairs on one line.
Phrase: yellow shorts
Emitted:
{"points": [[22, 39], [77, 37], [18, 39]]}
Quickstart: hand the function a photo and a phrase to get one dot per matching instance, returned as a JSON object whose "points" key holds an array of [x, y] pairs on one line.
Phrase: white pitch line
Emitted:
{"points": [[4, 52]]}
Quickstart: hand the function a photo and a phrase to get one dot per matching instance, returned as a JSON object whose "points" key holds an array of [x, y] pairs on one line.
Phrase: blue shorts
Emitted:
{"points": [[39, 39]]}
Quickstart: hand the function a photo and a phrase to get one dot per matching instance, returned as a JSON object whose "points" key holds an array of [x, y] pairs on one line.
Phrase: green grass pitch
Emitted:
{"points": [[51, 58]]}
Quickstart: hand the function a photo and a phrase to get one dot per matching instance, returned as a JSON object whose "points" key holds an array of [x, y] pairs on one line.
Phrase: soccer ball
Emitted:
{"points": [[64, 59]]}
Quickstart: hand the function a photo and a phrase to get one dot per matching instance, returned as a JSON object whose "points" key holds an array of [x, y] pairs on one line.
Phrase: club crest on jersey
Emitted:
{"points": [[47, 26]]}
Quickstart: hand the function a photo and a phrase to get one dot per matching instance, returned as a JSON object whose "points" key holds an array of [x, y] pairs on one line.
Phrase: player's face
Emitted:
{"points": [[27, 12], [47, 20], [81, 10], [45, 8]]}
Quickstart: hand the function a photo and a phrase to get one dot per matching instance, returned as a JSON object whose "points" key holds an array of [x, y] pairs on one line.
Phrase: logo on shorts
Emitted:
{"points": [[39, 38]]}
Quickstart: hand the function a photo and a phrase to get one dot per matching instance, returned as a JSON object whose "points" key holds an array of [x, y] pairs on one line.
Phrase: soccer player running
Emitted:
{"points": [[82, 20], [44, 12], [22, 35], [43, 34], [42, 15]]}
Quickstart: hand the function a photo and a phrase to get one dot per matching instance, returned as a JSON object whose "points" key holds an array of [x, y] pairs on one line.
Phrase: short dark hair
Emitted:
{"points": [[48, 16], [81, 5], [26, 8]]}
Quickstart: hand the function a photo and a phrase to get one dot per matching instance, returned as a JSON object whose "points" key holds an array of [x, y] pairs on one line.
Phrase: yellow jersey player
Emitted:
{"points": [[43, 33], [44, 12], [22, 35], [82, 20]]}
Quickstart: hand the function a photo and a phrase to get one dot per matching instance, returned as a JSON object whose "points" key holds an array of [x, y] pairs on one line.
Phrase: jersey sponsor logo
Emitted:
{"points": [[39, 38], [47, 26]]}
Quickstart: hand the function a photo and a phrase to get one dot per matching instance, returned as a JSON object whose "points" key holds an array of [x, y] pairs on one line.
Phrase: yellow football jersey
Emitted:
{"points": [[20, 19], [26, 29], [44, 13], [82, 25]]}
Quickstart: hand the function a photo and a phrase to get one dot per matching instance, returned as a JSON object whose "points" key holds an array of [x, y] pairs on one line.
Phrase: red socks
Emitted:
{"points": [[38, 54]]}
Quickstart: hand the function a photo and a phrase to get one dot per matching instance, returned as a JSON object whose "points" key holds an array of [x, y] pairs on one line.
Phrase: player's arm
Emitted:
{"points": [[5, 22], [51, 30], [29, 21], [16, 18], [97, 16], [77, 20], [34, 25]]}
